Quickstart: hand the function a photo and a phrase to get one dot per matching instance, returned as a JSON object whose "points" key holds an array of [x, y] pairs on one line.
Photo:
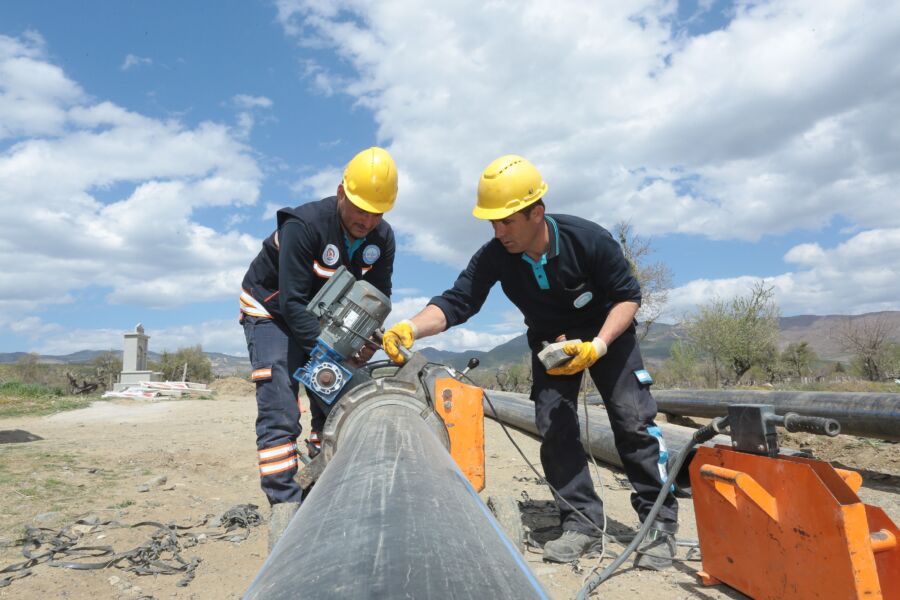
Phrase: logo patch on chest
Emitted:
{"points": [[583, 299], [371, 253], [331, 255]]}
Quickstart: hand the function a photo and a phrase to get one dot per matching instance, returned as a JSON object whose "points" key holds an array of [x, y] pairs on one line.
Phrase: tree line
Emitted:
{"points": [[184, 364], [733, 341]]}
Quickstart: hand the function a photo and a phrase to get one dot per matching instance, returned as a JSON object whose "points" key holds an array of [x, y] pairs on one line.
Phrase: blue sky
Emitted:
{"points": [[144, 147]]}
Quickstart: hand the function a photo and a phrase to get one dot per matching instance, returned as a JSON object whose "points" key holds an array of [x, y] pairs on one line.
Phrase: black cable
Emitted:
{"points": [[700, 436], [541, 478]]}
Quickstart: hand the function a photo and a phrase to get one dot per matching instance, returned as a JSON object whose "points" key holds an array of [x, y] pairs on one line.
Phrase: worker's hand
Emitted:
{"points": [[403, 333], [584, 354], [366, 352], [363, 356]]}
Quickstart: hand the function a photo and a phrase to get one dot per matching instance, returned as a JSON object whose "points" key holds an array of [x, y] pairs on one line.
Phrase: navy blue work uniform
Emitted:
{"points": [[295, 262], [570, 290]]}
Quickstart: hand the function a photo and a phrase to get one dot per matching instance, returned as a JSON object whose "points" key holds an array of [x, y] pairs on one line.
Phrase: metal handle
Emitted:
{"points": [[378, 334], [709, 431], [817, 425]]}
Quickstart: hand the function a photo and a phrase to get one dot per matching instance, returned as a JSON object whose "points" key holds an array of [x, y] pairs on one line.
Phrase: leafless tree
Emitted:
{"points": [[655, 278], [869, 339]]}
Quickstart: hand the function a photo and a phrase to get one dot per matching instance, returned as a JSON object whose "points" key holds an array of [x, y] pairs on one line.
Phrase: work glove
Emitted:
{"points": [[404, 333], [584, 354]]}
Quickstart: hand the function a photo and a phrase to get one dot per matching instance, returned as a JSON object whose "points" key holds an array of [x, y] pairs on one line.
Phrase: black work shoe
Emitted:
{"points": [[569, 547], [657, 550]]}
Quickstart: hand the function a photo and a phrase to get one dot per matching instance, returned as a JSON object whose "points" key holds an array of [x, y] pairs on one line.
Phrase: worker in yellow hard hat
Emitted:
{"points": [[310, 243], [571, 281]]}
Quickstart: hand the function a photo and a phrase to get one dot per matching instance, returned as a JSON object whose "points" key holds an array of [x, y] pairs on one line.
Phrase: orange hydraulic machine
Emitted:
{"points": [[774, 526]]}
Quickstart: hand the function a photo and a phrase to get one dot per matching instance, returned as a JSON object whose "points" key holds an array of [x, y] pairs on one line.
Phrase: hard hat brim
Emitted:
{"points": [[493, 214], [362, 203]]}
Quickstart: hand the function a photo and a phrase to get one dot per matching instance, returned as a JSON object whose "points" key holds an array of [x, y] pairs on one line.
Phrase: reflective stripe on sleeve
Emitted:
{"points": [[260, 374], [251, 306], [322, 271]]}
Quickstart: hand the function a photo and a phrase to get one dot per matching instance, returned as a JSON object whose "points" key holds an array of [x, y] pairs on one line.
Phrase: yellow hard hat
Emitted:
{"points": [[370, 180], [507, 185]]}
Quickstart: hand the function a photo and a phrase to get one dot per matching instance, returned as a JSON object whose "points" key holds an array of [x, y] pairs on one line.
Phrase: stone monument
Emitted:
{"points": [[134, 360]]}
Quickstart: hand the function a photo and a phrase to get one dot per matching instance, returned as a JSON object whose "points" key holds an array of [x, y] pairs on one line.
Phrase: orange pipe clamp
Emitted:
{"points": [[790, 528]]}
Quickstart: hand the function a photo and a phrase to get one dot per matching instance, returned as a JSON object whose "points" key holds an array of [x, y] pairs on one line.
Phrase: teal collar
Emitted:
{"points": [[537, 266], [553, 250], [352, 246]]}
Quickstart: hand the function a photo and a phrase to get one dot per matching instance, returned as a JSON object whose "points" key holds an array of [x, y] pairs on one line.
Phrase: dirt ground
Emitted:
{"points": [[178, 461]]}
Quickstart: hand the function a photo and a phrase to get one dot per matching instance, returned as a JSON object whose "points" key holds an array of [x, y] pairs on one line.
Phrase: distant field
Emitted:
{"points": [[19, 399]]}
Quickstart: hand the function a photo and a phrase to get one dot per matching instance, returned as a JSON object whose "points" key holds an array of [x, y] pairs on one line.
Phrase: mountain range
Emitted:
{"points": [[817, 331]]}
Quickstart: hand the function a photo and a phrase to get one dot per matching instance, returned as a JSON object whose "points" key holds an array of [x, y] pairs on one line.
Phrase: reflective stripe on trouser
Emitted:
{"points": [[631, 410], [273, 357]]}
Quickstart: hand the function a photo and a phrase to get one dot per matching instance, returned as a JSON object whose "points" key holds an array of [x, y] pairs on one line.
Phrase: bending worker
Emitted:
{"points": [[570, 279], [312, 240]]}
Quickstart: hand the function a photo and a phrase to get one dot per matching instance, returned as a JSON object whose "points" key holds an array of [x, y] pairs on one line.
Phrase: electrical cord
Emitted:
{"points": [[700, 436], [534, 470], [587, 431]]}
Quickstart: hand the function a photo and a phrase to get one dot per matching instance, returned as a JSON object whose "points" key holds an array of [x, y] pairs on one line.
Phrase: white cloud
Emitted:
{"points": [[458, 338], [132, 60], [61, 229], [246, 101], [401, 292], [784, 119], [405, 308], [34, 94], [319, 185], [245, 117], [855, 277], [33, 327], [225, 336]]}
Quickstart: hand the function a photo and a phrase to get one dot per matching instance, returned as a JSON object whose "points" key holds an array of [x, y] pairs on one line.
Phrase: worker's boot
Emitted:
{"points": [[279, 519], [657, 550], [570, 546]]}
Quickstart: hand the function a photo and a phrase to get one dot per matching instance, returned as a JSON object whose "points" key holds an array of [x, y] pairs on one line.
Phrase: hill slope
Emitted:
{"points": [[817, 330]]}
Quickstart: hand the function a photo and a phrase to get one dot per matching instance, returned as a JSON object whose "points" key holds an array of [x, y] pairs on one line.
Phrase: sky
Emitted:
{"points": [[145, 147]]}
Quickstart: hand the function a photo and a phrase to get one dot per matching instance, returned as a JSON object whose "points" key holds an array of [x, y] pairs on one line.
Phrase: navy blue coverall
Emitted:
{"points": [[570, 292], [295, 262]]}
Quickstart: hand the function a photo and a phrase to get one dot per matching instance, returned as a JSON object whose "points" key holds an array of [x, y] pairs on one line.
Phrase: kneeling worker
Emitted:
{"points": [[570, 279]]}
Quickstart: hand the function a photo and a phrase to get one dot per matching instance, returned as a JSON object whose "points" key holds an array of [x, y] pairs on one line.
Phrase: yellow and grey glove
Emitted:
{"points": [[403, 333], [584, 354]]}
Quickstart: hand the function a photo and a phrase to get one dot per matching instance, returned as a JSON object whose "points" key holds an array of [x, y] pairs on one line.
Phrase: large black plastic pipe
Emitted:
{"points": [[596, 433], [393, 517], [863, 414]]}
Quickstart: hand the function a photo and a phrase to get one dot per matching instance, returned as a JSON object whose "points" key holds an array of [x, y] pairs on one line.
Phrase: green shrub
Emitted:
{"points": [[28, 390]]}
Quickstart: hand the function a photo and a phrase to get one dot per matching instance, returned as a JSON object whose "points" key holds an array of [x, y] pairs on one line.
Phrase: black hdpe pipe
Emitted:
{"points": [[864, 414], [392, 516], [517, 410]]}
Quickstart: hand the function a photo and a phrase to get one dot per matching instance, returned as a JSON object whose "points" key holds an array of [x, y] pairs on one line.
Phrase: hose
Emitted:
{"points": [[701, 435]]}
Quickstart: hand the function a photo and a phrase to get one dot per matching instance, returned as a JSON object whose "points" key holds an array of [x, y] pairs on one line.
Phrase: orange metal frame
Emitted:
{"points": [[790, 527], [460, 406]]}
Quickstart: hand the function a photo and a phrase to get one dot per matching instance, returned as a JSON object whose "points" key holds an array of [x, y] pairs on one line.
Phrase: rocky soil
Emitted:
{"points": [[181, 461]]}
